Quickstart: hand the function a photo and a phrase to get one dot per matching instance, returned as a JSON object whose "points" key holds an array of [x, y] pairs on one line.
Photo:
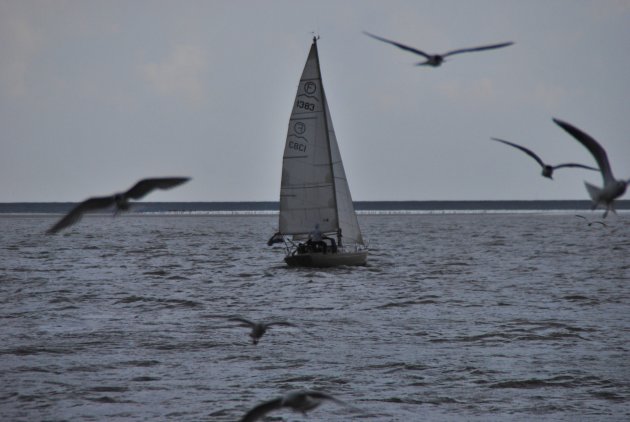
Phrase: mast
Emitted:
{"points": [[325, 113]]}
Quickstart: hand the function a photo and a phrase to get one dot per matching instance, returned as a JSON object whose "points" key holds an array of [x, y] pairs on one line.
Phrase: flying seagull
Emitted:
{"points": [[299, 401], [258, 328], [436, 60], [590, 223], [119, 200], [612, 189], [547, 170]]}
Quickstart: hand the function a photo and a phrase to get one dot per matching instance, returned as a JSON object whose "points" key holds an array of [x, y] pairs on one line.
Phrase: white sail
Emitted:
{"points": [[314, 187]]}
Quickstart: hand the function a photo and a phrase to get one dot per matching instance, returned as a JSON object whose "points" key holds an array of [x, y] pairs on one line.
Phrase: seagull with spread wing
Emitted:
{"points": [[258, 328], [547, 170], [119, 200], [613, 188], [299, 401], [436, 60]]}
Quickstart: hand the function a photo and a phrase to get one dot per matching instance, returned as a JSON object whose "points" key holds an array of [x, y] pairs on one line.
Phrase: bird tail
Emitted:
{"points": [[594, 193]]}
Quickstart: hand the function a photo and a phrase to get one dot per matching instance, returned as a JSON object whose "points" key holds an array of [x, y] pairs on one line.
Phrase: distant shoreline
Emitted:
{"points": [[362, 207]]}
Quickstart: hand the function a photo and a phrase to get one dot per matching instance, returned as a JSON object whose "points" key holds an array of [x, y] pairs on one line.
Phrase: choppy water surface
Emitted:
{"points": [[457, 317]]}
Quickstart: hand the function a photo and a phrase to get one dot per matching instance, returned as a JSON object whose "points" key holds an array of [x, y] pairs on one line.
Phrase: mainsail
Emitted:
{"points": [[314, 187]]}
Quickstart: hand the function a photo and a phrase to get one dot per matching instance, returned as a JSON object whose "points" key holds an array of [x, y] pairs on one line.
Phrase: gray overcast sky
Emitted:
{"points": [[95, 95]]}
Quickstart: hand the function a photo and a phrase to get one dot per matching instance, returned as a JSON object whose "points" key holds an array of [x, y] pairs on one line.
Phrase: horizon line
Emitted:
{"points": [[356, 201]]}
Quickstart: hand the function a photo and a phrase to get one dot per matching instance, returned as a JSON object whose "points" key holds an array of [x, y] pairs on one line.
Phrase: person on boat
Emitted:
{"points": [[315, 239], [333, 243]]}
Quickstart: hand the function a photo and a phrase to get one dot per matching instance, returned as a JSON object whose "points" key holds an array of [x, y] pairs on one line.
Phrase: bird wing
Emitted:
{"points": [[75, 214], [399, 45], [484, 47], [284, 323], [243, 321], [575, 165], [593, 146], [261, 410], [323, 396], [145, 186], [525, 150]]}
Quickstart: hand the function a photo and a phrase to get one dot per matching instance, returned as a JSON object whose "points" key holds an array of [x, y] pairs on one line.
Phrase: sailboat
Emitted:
{"points": [[317, 222]]}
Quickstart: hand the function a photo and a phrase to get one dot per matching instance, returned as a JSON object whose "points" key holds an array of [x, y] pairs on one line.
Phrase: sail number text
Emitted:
{"points": [[305, 105], [297, 146]]}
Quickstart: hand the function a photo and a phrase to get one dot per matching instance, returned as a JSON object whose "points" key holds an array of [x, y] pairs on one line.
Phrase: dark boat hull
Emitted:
{"points": [[321, 260]]}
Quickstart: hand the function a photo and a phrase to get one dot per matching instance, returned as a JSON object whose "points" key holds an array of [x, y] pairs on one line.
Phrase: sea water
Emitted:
{"points": [[463, 316]]}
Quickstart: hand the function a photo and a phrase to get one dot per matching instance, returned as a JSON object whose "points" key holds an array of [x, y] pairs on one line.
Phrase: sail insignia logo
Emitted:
{"points": [[299, 128], [310, 87], [296, 141]]}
